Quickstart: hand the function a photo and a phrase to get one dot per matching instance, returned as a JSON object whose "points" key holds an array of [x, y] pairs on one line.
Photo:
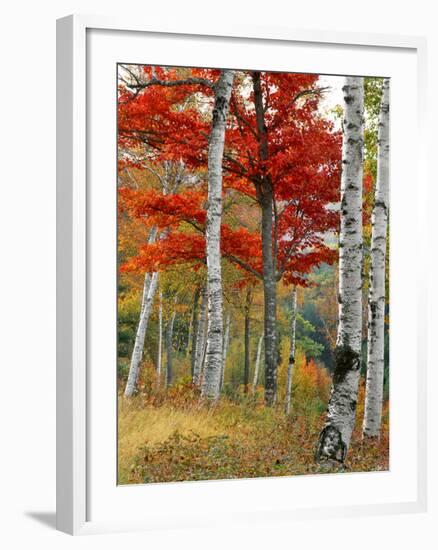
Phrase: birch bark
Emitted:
{"points": [[335, 438], [195, 330], [376, 299], [149, 289], [226, 344], [141, 332], [169, 355], [204, 353], [257, 365], [189, 337], [160, 339], [291, 364], [200, 340], [213, 366]]}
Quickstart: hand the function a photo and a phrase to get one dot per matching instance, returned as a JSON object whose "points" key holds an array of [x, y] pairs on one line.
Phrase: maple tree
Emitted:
{"points": [[279, 153], [286, 157]]}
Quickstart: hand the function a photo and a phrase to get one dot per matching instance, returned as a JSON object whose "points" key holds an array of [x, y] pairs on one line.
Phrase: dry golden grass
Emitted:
{"points": [[170, 436], [138, 425]]}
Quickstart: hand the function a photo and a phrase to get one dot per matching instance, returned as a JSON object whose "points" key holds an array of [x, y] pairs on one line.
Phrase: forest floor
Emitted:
{"points": [[172, 437]]}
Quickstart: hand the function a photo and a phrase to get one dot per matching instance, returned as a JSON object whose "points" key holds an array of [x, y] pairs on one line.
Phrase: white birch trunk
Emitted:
{"points": [[189, 336], [291, 364], [160, 339], [226, 343], [195, 333], [335, 437], [204, 354], [257, 364], [146, 305], [200, 340], [169, 357], [149, 289], [376, 300], [140, 336], [213, 366]]}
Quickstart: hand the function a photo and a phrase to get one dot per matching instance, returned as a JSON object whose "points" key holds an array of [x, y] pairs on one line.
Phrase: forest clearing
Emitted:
{"points": [[253, 302]]}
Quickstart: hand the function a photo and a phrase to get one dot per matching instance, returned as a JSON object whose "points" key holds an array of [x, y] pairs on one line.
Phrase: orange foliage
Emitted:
{"points": [[172, 123]]}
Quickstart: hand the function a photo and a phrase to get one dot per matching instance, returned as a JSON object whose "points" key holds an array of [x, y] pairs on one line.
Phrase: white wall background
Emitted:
{"points": [[27, 303]]}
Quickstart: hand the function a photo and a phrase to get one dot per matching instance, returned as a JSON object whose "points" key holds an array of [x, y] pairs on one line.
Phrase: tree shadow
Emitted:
{"points": [[45, 518]]}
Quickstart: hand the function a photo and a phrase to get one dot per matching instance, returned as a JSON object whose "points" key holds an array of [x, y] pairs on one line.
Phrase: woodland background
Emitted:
{"points": [[164, 127], [28, 509]]}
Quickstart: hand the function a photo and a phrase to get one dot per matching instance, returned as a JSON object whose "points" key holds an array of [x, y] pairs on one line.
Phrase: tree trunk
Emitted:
{"points": [[291, 364], [200, 340], [257, 365], [189, 337], [266, 199], [270, 303], [204, 354], [226, 343], [376, 300], [195, 330], [160, 339], [247, 341], [213, 366], [169, 351], [335, 438], [150, 287]]}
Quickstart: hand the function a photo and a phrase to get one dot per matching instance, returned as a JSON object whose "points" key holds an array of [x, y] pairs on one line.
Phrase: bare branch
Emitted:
{"points": [[303, 93], [154, 81], [155, 173]]}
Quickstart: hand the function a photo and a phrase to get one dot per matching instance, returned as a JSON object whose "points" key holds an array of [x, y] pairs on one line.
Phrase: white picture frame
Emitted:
{"points": [[75, 218]]}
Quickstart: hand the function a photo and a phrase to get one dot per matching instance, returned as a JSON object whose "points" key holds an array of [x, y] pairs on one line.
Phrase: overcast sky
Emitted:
{"points": [[333, 96]]}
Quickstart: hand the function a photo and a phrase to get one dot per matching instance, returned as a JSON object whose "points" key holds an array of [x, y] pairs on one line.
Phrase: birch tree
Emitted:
{"points": [[195, 330], [169, 351], [335, 437], [376, 299], [257, 364], [213, 366], [149, 289], [160, 338], [226, 344], [200, 340], [291, 363], [189, 337]]}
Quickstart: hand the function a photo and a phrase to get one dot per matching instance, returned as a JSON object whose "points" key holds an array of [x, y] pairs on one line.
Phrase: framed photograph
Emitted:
{"points": [[240, 333]]}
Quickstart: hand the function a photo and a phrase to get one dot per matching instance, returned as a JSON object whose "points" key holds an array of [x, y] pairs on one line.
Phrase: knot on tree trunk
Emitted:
{"points": [[346, 360], [330, 446], [219, 109]]}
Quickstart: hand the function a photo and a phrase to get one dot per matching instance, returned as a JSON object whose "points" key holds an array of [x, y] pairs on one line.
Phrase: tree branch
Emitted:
{"points": [[243, 265], [154, 81], [303, 93]]}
